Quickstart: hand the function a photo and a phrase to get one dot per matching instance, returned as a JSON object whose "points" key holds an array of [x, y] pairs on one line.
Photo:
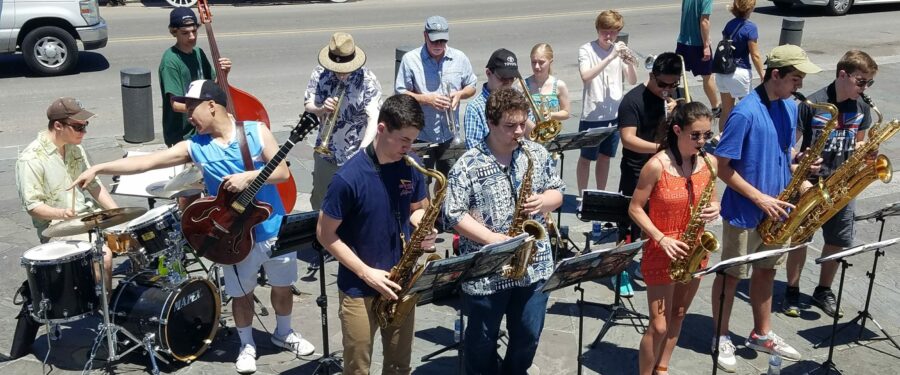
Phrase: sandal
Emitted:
{"points": [[661, 370]]}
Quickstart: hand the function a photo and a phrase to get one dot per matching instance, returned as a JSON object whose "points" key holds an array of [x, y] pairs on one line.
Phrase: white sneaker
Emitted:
{"points": [[295, 343], [726, 361], [246, 360]]}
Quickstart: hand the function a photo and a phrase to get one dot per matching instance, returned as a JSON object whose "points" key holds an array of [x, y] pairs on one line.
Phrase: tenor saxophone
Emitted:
{"points": [[392, 313], [848, 180], [777, 231], [701, 241], [522, 223]]}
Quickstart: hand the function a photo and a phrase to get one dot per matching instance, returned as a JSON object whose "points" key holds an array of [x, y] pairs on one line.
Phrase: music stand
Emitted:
{"points": [[587, 267], [137, 185], [829, 364], [329, 362], [719, 269], [861, 316]]}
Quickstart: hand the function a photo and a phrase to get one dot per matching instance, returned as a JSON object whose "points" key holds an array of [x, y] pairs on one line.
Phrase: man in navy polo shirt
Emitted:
{"points": [[368, 213]]}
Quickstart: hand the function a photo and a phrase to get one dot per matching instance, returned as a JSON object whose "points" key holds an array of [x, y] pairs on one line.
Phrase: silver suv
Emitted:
{"points": [[45, 31]]}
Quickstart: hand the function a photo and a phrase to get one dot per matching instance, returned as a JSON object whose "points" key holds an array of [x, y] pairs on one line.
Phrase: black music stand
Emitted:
{"points": [[587, 267], [329, 362], [828, 365], [719, 269], [444, 275], [861, 316]]}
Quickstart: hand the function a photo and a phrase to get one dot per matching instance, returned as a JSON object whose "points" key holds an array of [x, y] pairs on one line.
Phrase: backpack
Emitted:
{"points": [[723, 59]]}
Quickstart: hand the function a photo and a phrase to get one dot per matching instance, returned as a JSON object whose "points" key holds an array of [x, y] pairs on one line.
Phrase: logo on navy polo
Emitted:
{"points": [[406, 187]]}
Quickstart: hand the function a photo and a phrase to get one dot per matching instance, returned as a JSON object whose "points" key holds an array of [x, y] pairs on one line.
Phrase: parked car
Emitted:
{"points": [[833, 7], [46, 32]]}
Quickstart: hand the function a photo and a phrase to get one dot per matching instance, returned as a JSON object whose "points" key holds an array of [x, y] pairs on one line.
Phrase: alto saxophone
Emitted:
{"points": [[392, 313], [848, 180], [701, 242], [777, 231], [522, 223]]}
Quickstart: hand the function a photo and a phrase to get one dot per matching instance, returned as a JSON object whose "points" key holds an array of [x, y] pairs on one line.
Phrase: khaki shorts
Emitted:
{"points": [[743, 241]]}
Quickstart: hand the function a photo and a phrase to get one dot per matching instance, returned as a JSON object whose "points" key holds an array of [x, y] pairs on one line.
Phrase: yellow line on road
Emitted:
{"points": [[404, 25]]}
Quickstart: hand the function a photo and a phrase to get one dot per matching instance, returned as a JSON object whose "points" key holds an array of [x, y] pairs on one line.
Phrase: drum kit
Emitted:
{"points": [[156, 307]]}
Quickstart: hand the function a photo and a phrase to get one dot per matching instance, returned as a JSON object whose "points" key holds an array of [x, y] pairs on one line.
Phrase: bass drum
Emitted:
{"points": [[182, 317]]}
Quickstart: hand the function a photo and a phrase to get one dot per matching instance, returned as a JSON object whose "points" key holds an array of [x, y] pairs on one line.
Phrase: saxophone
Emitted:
{"points": [[392, 313], [701, 242], [777, 231], [522, 222], [848, 180]]}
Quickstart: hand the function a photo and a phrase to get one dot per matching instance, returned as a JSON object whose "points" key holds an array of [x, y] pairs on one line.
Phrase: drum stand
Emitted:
{"points": [[109, 329]]}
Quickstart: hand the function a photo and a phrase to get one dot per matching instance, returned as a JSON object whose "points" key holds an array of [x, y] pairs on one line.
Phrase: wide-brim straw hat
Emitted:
{"points": [[341, 55]]}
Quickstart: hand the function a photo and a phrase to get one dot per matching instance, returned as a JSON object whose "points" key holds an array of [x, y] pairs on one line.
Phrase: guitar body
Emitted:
{"points": [[218, 232]]}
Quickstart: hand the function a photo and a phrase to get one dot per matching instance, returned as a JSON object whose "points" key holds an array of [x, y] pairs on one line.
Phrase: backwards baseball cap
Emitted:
{"points": [[204, 90], [181, 17], [64, 108], [504, 64], [791, 55], [437, 28]]}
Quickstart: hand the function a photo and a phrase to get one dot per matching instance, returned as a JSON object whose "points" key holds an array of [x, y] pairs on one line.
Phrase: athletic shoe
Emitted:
{"points": [[790, 306], [295, 343], [726, 361], [246, 360], [772, 344], [825, 299]]}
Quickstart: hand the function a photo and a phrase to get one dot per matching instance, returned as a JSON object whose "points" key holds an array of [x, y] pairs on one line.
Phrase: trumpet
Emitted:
{"points": [[328, 128], [451, 121], [631, 56]]}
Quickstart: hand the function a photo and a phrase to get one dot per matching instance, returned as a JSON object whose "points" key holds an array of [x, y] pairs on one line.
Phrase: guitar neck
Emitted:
{"points": [[250, 192]]}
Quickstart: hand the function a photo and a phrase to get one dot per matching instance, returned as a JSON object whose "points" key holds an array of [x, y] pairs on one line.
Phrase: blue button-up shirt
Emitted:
{"points": [[419, 73], [475, 124]]}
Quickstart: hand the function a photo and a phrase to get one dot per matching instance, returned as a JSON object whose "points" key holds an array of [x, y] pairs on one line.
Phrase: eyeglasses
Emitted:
{"points": [[862, 82], [695, 135], [664, 85], [81, 128]]}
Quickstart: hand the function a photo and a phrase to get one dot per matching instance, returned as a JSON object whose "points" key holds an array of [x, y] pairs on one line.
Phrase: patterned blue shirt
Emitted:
{"points": [[362, 99], [475, 124], [419, 73], [479, 186]]}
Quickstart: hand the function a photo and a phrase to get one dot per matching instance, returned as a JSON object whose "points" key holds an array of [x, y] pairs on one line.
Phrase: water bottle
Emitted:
{"points": [[457, 329], [774, 365], [161, 268], [596, 230]]}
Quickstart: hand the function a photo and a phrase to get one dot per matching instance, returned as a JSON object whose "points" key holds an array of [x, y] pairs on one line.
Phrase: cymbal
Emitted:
{"points": [[191, 178], [87, 222], [158, 189]]}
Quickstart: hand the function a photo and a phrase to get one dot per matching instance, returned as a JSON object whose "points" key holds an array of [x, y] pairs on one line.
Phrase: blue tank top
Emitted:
{"points": [[217, 161], [551, 100]]}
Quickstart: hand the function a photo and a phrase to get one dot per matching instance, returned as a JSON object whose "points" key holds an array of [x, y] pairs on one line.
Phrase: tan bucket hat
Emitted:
{"points": [[341, 55]]}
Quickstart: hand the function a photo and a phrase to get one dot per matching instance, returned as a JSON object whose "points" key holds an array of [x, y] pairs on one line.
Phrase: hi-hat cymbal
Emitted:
{"points": [[191, 178], [87, 222], [158, 189]]}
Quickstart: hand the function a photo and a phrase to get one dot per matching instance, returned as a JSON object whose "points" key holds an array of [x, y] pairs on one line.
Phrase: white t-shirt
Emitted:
{"points": [[602, 95]]}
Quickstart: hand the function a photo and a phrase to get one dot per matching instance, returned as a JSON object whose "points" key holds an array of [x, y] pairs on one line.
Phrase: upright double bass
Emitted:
{"points": [[241, 104]]}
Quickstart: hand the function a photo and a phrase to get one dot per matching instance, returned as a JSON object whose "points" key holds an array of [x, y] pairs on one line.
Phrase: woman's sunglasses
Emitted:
{"points": [[695, 136]]}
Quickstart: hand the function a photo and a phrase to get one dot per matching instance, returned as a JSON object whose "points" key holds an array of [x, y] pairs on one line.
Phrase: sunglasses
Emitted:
{"points": [[695, 135], [664, 85], [81, 128], [862, 82]]}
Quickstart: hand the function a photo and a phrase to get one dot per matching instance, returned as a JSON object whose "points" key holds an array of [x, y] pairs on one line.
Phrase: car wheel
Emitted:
{"points": [[182, 3], [784, 5], [50, 50], [839, 7]]}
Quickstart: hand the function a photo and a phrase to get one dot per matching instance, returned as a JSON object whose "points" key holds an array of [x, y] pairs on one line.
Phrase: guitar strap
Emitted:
{"points": [[245, 150]]}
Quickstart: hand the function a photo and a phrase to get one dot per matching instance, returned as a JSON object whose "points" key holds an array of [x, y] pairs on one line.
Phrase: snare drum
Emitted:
{"points": [[119, 239], [61, 278], [158, 229], [182, 317]]}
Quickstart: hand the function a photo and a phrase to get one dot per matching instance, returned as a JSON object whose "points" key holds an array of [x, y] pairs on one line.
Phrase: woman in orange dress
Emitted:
{"points": [[669, 186]]}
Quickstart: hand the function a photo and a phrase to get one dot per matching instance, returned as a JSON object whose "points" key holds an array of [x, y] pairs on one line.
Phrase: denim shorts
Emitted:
{"points": [[693, 59], [607, 147]]}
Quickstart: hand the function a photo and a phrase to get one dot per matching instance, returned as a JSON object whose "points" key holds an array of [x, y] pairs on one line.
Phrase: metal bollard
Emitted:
{"points": [[791, 31], [398, 56], [623, 37], [137, 105]]}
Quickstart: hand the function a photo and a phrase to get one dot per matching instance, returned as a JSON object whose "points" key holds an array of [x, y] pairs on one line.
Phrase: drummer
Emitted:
{"points": [[48, 165]]}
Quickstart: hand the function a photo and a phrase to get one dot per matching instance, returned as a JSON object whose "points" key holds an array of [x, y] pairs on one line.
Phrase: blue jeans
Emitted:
{"points": [[524, 308]]}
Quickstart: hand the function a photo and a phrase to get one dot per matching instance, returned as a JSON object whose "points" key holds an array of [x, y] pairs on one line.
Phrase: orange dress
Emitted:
{"points": [[670, 211]]}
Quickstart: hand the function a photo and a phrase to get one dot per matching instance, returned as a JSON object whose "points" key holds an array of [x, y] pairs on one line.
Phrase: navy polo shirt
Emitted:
{"points": [[373, 203]]}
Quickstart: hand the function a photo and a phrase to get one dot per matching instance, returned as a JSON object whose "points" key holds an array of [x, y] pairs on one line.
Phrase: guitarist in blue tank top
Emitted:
{"points": [[244, 195]]}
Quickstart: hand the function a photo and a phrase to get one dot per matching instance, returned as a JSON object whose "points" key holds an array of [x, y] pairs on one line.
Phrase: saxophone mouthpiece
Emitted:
{"points": [[799, 96]]}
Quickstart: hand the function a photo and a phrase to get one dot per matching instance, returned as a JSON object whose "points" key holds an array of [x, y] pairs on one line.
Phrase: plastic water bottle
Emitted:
{"points": [[774, 365], [161, 268], [457, 330], [596, 230]]}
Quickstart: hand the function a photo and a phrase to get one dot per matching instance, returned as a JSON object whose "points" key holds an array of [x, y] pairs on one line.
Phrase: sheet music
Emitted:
{"points": [[136, 185], [858, 250], [746, 259]]}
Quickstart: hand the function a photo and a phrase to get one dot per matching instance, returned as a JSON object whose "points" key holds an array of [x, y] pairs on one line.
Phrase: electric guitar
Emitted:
{"points": [[220, 228]]}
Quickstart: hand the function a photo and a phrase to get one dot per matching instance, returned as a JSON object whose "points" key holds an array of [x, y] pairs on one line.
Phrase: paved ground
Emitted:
{"points": [[558, 349]]}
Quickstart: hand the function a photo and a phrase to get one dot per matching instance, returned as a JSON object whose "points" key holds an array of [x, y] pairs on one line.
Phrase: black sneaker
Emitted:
{"points": [[825, 299], [790, 306]]}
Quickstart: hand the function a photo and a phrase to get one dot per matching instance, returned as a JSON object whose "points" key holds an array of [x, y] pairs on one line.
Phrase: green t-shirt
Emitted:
{"points": [[691, 11], [176, 71]]}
